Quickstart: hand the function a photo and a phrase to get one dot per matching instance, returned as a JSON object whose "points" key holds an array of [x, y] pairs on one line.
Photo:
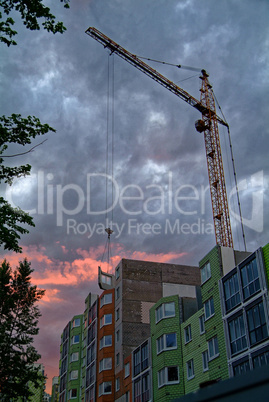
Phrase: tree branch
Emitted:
{"points": [[23, 153]]}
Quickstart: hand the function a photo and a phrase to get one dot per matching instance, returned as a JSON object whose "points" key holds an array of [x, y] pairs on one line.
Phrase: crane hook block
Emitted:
{"points": [[200, 126], [109, 232]]}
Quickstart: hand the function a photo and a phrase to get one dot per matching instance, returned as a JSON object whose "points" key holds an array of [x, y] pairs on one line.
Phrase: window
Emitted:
{"points": [[144, 356], [75, 339], [166, 342], [165, 310], [117, 314], [105, 364], [205, 360], [261, 360], [250, 279], [90, 375], [76, 322], [90, 395], [137, 391], [213, 348], [237, 335], [209, 308], [73, 393], [137, 362], [256, 324], [106, 299], [205, 272], [202, 324], [127, 397], [118, 335], [105, 388], [92, 313], [190, 369], [241, 368], [126, 370], [168, 376], [106, 279], [117, 359], [141, 358], [74, 357], [106, 320], [91, 353], [118, 293], [231, 292], [117, 273], [91, 333], [117, 384], [105, 341], [142, 389], [187, 332], [74, 375]]}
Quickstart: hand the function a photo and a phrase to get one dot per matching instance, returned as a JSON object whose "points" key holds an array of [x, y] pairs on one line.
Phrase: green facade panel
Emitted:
{"points": [[218, 367], [193, 350], [167, 358]]}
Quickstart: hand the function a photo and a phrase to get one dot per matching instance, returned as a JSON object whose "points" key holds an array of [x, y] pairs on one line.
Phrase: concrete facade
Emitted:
{"points": [[161, 331]]}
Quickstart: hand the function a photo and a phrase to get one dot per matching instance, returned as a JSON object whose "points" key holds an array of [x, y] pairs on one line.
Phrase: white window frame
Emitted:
{"points": [[73, 375], [106, 299], [126, 370], [202, 324], [163, 377], [214, 342], [104, 340], [103, 364], [205, 360], [70, 393], [161, 314], [161, 343], [73, 339], [106, 319], [74, 357], [187, 334], [211, 314], [205, 272], [106, 279], [76, 323], [102, 388], [117, 359], [117, 384], [189, 377]]}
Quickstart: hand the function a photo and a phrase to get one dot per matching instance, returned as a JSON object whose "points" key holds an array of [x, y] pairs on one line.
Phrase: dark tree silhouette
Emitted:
{"points": [[18, 326]]}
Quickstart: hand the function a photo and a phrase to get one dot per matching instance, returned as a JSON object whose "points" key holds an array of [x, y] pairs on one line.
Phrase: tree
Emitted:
{"points": [[18, 311], [16, 129], [18, 325], [30, 12]]}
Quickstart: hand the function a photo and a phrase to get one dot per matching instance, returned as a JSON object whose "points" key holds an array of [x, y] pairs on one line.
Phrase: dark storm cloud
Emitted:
{"points": [[63, 79]]}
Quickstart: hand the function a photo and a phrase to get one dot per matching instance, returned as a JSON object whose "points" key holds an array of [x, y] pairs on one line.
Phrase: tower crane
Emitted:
{"points": [[208, 125]]}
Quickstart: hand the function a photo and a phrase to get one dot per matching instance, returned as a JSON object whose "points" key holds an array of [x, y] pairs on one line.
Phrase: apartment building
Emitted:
{"points": [[160, 331]]}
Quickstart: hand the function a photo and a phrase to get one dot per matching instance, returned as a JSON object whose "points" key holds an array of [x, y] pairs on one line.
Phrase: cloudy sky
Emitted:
{"points": [[113, 120]]}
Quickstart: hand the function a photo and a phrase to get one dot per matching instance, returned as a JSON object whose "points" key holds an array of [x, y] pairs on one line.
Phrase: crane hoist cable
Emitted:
{"points": [[208, 125], [109, 152]]}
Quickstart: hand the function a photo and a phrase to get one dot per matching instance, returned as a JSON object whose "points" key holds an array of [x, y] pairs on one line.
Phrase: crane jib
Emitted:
{"points": [[208, 125], [146, 69]]}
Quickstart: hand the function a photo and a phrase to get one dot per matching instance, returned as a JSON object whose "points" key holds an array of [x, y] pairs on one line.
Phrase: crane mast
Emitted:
{"points": [[208, 125]]}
